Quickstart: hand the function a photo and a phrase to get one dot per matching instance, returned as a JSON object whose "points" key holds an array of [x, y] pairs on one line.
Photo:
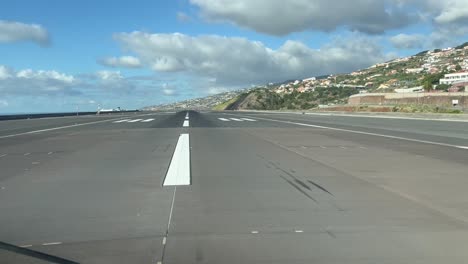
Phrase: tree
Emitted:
{"points": [[427, 86], [442, 87], [458, 67]]}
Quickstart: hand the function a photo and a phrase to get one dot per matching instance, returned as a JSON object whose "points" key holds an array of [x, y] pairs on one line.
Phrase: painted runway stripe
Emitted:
{"points": [[186, 123], [121, 121], [148, 120], [51, 243], [179, 168], [365, 133], [248, 119], [134, 120], [237, 119], [224, 119]]}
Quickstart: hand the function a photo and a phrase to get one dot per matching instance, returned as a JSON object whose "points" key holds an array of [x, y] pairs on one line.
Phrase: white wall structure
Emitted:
{"points": [[454, 78]]}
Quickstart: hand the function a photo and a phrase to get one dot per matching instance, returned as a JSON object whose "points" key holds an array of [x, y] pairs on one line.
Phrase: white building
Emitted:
{"points": [[454, 78], [418, 89]]}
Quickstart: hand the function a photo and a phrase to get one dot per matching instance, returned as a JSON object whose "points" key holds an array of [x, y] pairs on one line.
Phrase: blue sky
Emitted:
{"points": [[67, 55]]}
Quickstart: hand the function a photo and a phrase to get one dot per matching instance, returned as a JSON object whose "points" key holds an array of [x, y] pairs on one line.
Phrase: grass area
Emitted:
{"points": [[224, 105], [412, 108]]}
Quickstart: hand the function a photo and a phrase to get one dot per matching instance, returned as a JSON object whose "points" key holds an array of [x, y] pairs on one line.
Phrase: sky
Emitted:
{"points": [[60, 56]]}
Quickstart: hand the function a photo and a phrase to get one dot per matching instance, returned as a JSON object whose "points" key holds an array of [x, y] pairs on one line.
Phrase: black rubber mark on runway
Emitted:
{"points": [[298, 188], [35, 254], [330, 233], [302, 184], [320, 187]]}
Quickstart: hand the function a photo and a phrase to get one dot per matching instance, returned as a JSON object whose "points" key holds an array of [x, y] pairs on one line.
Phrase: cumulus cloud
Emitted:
{"points": [[406, 41], [277, 17], [35, 82], [109, 76], [124, 62], [15, 31], [239, 61]]}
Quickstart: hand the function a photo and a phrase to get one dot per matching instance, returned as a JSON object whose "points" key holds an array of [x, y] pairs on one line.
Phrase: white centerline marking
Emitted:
{"points": [[164, 240], [237, 119], [134, 120], [121, 121], [3, 155], [51, 243], [49, 153], [248, 119], [224, 119], [298, 231], [26, 246], [27, 154], [57, 128], [148, 120], [186, 123], [179, 168], [366, 133], [254, 232]]}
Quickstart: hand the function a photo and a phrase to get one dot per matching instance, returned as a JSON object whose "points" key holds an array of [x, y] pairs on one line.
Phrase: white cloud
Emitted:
{"points": [[124, 61], [279, 17], [5, 72], [15, 31], [31, 82], [168, 90], [239, 61], [109, 75], [45, 75], [405, 41]]}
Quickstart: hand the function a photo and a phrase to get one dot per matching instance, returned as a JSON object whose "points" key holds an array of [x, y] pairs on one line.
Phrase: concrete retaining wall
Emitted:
{"points": [[440, 99]]}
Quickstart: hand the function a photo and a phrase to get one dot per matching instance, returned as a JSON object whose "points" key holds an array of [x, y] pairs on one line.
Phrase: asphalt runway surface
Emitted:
{"points": [[265, 188]]}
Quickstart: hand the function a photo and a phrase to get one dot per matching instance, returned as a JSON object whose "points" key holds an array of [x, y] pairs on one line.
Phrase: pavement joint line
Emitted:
{"points": [[366, 133], [57, 128], [51, 243]]}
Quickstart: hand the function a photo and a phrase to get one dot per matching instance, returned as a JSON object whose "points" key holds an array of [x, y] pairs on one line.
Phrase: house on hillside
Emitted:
{"points": [[453, 78]]}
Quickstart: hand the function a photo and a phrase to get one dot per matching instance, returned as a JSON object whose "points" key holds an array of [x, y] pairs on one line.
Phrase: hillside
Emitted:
{"points": [[421, 70]]}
